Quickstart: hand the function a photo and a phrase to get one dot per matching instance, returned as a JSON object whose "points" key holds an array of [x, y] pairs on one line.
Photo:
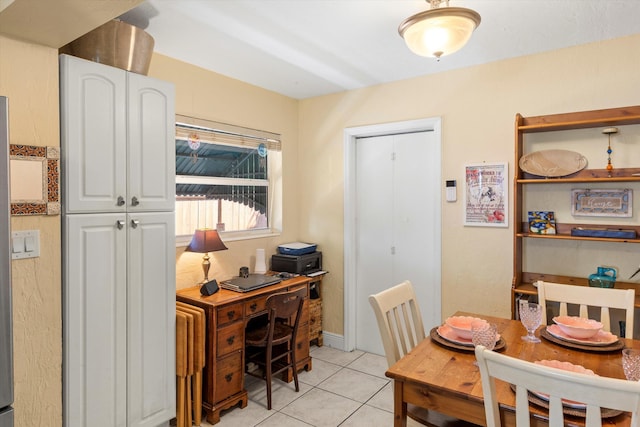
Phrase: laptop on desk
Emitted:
{"points": [[253, 282]]}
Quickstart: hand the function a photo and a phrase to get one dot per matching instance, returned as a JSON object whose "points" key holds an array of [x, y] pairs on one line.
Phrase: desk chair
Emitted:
{"points": [[605, 298], [594, 391], [401, 329], [273, 345]]}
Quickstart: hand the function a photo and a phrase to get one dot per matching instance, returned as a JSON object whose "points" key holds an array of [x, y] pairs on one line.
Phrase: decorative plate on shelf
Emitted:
{"points": [[553, 163]]}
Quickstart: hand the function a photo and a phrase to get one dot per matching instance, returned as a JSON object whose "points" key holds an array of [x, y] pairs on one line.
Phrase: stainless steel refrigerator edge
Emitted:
{"points": [[6, 315]]}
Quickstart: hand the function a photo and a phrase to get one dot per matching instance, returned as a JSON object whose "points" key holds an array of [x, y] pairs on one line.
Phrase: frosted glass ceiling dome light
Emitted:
{"points": [[439, 31]]}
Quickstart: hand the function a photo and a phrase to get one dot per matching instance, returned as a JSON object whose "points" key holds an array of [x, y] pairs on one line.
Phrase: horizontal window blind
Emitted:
{"points": [[207, 131]]}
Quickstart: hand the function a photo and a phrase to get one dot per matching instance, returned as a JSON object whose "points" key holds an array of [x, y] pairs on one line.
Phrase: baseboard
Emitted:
{"points": [[333, 340]]}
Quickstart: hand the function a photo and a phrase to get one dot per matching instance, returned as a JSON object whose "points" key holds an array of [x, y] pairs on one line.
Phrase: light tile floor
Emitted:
{"points": [[346, 389]]}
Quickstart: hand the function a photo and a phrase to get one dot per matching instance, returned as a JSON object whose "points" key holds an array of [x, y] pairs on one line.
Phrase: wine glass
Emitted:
{"points": [[484, 333], [531, 317], [631, 364]]}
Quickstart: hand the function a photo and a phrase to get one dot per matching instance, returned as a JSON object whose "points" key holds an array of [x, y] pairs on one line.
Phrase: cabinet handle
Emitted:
{"points": [[120, 201], [120, 224], [228, 377], [231, 339], [134, 223], [253, 306], [299, 346], [231, 314], [134, 201]]}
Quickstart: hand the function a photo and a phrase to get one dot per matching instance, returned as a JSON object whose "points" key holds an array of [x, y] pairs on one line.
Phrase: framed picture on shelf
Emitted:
{"points": [[605, 203], [542, 222], [486, 195]]}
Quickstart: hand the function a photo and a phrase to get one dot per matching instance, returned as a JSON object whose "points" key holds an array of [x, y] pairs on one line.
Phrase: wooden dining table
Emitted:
{"points": [[438, 377]]}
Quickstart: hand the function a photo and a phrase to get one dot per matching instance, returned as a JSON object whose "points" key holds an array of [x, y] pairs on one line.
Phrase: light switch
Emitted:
{"points": [[25, 244], [17, 244], [30, 243]]}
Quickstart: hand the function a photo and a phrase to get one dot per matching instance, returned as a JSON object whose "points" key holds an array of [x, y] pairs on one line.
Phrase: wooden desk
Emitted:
{"points": [[227, 314], [435, 377]]}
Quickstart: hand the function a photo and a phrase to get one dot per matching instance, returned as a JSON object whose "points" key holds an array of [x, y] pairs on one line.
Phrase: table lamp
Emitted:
{"points": [[206, 240]]}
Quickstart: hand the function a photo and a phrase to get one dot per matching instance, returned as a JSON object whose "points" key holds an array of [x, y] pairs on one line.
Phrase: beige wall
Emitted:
{"points": [[29, 78], [477, 106]]}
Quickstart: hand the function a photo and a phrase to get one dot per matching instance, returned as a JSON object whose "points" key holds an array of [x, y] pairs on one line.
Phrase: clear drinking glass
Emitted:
{"points": [[531, 317], [631, 364], [483, 333]]}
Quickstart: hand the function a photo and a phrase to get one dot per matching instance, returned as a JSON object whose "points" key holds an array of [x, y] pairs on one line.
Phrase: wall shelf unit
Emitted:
{"points": [[522, 283]]}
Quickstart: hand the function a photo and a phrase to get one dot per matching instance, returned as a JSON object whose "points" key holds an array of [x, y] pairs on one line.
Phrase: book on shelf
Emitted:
{"points": [[542, 222]]}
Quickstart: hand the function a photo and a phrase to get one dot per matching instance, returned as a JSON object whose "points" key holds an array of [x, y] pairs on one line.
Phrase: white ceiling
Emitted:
{"points": [[307, 48]]}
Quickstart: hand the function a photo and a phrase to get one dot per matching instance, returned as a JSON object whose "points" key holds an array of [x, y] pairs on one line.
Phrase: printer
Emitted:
{"points": [[298, 264]]}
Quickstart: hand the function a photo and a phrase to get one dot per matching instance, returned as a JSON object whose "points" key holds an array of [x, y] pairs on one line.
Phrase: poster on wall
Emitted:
{"points": [[486, 195]]}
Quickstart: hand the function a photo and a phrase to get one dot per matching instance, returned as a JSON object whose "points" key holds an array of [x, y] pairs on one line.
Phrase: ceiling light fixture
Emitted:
{"points": [[439, 31]]}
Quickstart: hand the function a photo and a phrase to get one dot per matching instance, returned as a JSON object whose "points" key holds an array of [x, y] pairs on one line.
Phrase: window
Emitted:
{"points": [[226, 179]]}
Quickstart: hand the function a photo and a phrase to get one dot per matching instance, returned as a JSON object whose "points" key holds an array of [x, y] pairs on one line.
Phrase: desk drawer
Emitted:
{"points": [[229, 376], [255, 306], [315, 316], [302, 342], [230, 338], [229, 313]]}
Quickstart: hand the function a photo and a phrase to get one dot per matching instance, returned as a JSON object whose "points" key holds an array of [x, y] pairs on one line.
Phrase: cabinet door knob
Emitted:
{"points": [[253, 306], [230, 314], [228, 377], [120, 201], [231, 339], [120, 224], [134, 223], [134, 201]]}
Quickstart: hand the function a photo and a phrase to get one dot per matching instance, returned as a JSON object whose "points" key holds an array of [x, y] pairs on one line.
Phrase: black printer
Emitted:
{"points": [[298, 264]]}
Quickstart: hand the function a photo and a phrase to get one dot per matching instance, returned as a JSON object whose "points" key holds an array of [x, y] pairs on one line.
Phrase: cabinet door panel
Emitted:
{"points": [[151, 318], [95, 321], [152, 149], [93, 129]]}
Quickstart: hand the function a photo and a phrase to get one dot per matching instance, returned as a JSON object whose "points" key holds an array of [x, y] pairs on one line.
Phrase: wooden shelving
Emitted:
{"points": [[522, 283]]}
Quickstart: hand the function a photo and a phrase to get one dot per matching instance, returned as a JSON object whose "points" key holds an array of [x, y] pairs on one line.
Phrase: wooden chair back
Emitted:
{"points": [[282, 308], [595, 392], [585, 297], [399, 320]]}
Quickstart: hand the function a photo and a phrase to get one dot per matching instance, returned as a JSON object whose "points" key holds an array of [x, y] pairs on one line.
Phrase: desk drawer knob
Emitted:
{"points": [[231, 339], [253, 306], [228, 377], [231, 314]]}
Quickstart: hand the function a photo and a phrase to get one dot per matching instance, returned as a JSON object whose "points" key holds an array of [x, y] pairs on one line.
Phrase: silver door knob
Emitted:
{"points": [[120, 224], [134, 201], [120, 201], [134, 223]]}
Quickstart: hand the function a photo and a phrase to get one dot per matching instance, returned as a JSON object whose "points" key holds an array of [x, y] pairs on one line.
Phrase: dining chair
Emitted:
{"points": [[585, 297], [595, 392], [401, 329], [272, 346]]}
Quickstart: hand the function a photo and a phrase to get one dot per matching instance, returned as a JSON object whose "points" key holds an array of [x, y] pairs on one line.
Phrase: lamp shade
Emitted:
{"points": [[439, 32], [206, 240]]}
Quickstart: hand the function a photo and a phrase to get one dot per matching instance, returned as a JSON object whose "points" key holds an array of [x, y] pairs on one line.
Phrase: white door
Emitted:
{"points": [[93, 136], [151, 144], [151, 307], [398, 225], [95, 320]]}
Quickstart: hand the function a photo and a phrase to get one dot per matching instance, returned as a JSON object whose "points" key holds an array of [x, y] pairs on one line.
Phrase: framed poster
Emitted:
{"points": [[486, 194]]}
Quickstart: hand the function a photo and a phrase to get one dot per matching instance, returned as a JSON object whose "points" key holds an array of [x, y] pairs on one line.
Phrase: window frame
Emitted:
{"points": [[225, 134]]}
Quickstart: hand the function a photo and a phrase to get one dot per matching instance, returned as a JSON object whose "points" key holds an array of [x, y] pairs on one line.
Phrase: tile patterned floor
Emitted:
{"points": [[346, 389]]}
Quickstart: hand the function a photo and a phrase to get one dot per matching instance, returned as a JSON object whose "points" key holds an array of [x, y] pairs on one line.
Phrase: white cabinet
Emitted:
{"points": [[118, 256], [114, 125]]}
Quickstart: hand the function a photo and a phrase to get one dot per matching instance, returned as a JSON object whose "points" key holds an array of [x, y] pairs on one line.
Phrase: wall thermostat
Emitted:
{"points": [[451, 190]]}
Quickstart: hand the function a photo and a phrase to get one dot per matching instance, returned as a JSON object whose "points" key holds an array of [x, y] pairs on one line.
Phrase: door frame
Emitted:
{"points": [[350, 136]]}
